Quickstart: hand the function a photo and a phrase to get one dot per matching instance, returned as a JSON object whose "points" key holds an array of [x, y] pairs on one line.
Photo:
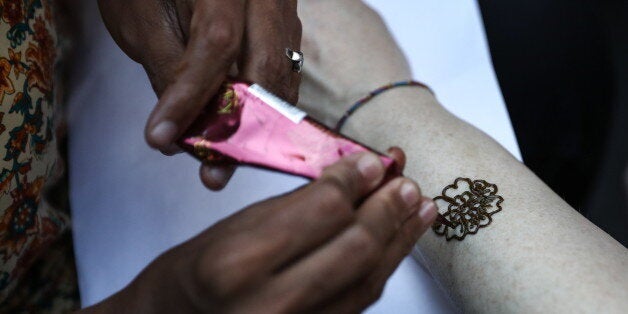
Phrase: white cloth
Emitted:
{"points": [[129, 203]]}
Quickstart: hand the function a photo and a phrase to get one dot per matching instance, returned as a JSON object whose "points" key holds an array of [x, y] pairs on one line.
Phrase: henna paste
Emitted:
{"points": [[468, 205]]}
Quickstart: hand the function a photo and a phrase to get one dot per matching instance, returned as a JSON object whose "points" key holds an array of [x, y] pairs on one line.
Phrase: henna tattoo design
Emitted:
{"points": [[470, 205]]}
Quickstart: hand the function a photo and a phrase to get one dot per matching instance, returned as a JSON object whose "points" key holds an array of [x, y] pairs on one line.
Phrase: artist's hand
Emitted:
{"points": [[341, 66], [322, 248], [188, 46]]}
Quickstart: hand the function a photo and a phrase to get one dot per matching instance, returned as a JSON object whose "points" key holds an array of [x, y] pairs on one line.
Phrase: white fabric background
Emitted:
{"points": [[130, 203]]}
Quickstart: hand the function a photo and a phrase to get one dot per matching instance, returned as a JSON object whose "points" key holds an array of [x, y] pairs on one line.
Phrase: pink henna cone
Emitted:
{"points": [[247, 125]]}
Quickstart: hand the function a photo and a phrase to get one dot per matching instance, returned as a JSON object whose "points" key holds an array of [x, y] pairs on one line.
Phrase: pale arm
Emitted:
{"points": [[538, 254]]}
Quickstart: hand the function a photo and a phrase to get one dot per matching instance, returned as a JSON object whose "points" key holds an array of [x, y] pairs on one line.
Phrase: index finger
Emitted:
{"points": [[312, 215]]}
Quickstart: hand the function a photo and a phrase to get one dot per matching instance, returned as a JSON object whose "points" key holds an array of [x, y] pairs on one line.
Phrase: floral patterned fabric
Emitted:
{"points": [[30, 164]]}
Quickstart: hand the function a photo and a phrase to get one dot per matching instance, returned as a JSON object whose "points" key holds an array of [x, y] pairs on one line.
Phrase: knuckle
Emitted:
{"points": [[331, 205], [223, 35], [215, 275], [364, 244], [335, 194], [346, 178]]}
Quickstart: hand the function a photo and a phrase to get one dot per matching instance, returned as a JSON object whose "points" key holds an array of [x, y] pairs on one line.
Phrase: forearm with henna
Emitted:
{"points": [[538, 254]]}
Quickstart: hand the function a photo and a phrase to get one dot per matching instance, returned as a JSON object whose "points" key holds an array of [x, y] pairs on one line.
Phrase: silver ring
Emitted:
{"points": [[296, 57]]}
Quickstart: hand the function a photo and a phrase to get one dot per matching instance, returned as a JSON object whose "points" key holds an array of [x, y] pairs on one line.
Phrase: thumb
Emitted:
{"points": [[215, 36]]}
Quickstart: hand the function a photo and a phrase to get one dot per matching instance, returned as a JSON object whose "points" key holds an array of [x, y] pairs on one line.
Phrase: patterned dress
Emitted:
{"points": [[36, 262]]}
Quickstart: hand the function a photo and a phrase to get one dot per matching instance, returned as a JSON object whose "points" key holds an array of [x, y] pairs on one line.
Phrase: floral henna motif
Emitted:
{"points": [[469, 207]]}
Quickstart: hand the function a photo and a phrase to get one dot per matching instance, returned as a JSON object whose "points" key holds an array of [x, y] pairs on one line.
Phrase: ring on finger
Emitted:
{"points": [[297, 59]]}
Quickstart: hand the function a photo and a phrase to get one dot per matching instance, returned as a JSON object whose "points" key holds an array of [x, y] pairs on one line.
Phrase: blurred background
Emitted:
{"points": [[562, 66]]}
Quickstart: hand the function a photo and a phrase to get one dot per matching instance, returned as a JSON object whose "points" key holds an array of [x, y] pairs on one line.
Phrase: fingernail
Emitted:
{"points": [[428, 210], [370, 167], [164, 133], [173, 149], [409, 193]]}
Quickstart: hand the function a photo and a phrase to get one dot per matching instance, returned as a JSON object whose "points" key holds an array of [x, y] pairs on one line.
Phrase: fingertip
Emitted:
{"points": [[398, 155], [410, 193], [355, 175], [427, 211], [162, 135], [172, 150], [216, 178], [371, 168]]}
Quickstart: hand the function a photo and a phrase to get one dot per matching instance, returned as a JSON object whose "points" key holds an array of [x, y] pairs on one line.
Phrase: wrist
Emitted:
{"points": [[374, 94], [157, 289], [328, 100], [383, 120]]}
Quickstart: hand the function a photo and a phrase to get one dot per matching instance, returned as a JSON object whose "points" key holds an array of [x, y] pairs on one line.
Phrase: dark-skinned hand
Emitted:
{"points": [[328, 247], [188, 47]]}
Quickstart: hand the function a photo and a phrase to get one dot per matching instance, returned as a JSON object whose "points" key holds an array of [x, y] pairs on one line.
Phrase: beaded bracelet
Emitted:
{"points": [[357, 105]]}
